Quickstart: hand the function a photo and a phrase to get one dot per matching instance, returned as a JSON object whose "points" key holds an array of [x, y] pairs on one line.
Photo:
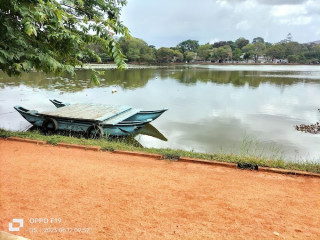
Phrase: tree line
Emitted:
{"points": [[241, 50]]}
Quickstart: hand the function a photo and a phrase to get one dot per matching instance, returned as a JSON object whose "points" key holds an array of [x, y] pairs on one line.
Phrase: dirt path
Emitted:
{"points": [[97, 195]]}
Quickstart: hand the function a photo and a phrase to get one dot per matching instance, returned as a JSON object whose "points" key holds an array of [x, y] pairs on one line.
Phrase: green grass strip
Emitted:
{"points": [[125, 144]]}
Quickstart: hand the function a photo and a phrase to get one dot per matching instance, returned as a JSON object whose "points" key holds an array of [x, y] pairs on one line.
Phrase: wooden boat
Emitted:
{"points": [[95, 120], [139, 116]]}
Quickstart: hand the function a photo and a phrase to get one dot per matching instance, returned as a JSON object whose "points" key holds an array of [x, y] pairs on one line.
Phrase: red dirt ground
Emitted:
{"points": [[111, 196]]}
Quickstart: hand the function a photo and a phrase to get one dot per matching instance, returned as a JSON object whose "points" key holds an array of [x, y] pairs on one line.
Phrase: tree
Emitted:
{"points": [[313, 55], [276, 51], [254, 50], [204, 51], [241, 42], [293, 58], [190, 56], [236, 54], [137, 50], [177, 56], [232, 45], [288, 39], [293, 48], [223, 53], [55, 35], [188, 46], [219, 44], [166, 55], [249, 51], [258, 40]]}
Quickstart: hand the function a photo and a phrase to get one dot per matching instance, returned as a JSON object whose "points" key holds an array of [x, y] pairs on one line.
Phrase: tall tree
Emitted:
{"points": [[257, 40], [241, 42], [55, 35], [254, 50], [137, 50], [204, 51], [188, 46], [167, 55], [276, 51], [219, 44], [190, 56], [223, 53], [293, 48], [236, 54]]}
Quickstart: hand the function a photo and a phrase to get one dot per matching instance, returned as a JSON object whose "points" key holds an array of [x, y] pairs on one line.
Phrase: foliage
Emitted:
{"points": [[241, 42], [137, 50], [276, 51], [255, 50], [189, 56], [236, 54], [167, 55], [223, 53], [293, 48], [258, 40], [55, 35], [188, 46], [248, 50], [204, 51], [292, 58], [219, 44]]}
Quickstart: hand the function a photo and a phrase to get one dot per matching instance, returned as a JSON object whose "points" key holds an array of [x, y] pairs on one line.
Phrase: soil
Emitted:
{"points": [[63, 193]]}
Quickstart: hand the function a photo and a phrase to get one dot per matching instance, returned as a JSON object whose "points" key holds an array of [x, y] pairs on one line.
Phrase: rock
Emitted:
{"points": [[276, 233]]}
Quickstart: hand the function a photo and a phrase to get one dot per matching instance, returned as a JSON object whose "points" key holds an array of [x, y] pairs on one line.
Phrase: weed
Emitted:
{"points": [[171, 157], [107, 148]]}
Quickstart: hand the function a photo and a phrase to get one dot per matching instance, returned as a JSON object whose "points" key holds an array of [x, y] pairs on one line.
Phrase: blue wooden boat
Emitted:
{"points": [[139, 116], [95, 120]]}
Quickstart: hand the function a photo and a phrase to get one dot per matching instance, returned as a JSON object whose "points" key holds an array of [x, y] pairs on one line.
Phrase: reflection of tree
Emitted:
{"points": [[236, 78], [131, 79], [138, 78]]}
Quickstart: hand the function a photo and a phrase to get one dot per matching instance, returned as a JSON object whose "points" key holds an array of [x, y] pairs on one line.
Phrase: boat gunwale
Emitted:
{"points": [[81, 121]]}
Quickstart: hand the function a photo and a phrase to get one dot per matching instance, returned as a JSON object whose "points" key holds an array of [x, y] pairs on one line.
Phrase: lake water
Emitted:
{"points": [[229, 109]]}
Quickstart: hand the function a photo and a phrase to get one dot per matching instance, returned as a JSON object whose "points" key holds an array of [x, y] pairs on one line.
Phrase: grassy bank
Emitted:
{"points": [[118, 144]]}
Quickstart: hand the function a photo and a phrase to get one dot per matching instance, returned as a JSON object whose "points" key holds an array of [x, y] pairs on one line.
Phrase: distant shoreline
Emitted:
{"points": [[110, 65]]}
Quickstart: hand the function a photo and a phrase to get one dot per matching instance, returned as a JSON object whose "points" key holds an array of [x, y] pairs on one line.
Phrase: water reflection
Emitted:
{"points": [[130, 79], [189, 76], [138, 78]]}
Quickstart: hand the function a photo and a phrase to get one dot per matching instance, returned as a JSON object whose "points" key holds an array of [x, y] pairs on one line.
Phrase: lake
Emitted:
{"points": [[247, 109]]}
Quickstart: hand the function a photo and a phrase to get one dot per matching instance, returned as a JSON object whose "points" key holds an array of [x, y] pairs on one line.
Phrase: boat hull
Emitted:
{"points": [[123, 128]]}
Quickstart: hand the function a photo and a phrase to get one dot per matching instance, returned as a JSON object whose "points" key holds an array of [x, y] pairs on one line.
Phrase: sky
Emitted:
{"points": [[166, 23]]}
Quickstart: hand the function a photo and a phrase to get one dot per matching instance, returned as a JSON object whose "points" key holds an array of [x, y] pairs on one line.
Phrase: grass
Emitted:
{"points": [[248, 155]]}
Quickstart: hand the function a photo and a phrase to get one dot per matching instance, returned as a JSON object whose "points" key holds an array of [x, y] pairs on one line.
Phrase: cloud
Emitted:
{"points": [[281, 2], [243, 25], [288, 10], [213, 40], [293, 15], [167, 23], [313, 7], [301, 20]]}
